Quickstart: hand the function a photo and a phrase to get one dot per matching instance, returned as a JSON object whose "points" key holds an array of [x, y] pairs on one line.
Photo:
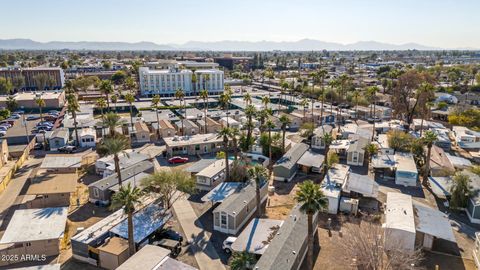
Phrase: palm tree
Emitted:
{"points": [[112, 121], [322, 74], [107, 89], [225, 99], [250, 112], [73, 107], [265, 101], [270, 125], [204, 96], [225, 133], [247, 98], [114, 99], [429, 139], [372, 91], [285, 121], [371, 150], [312, 200], [127, 197], [114, 146], [259, 174], [101, 103], [129, 98], [304, 104], [327, 140], [180, 95], [356, 95], [155, 102], [333, 85], [234, 137], [242, 261]]}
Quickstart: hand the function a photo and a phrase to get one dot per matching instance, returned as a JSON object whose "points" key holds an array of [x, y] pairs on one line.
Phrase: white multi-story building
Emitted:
{"points": [[165, 82]]}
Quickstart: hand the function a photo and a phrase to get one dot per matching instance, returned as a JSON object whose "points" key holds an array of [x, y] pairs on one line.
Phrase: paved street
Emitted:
{"points": [[204, 252]]}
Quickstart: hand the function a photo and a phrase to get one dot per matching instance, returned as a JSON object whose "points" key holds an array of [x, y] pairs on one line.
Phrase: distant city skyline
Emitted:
{"points": [[442, 23]]}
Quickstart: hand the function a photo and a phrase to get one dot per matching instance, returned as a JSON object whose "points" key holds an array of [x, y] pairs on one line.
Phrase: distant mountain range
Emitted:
{"points": [[227, 45]]}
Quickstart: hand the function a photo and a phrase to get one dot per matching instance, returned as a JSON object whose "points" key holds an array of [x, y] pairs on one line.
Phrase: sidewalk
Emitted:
{"points": [[205, 254]]}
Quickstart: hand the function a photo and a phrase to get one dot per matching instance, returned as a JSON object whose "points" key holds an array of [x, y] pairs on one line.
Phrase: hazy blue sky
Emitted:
{"points": [[442, 23]]}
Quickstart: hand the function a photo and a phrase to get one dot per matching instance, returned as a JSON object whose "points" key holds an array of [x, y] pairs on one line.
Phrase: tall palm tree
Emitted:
{"points": [[285, 121], [429, 139], [155, 102], [270, 125], [312, 200], [180, 95], [114, 146], [226, 133], [234, 137], [327, 140], [114, 99], [247, 98], [259, 174], [112, 121], [250, 112], [372, 91], [204, 96], [73, 107], [333, 85], [321, 75], [127, 197], [101, 103], [265, 101], [371, 150], [225, 99], [129, 98], [106, 88], [242, 261]]}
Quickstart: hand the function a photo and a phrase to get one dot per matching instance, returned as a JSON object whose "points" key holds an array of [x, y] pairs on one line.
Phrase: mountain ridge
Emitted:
{"points": [[224, 45]]}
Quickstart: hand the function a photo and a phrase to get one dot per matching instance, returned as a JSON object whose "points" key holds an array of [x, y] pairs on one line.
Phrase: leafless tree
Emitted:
{"points": [[364, 243]]}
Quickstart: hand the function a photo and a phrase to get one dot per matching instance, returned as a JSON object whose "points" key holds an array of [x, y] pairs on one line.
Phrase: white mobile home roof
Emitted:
{"points": [[258, 234], [222, 191], [405, 162], [29, 225], [399, 212], [147, 258], [61, 161], [213, 168], [433, 222]]}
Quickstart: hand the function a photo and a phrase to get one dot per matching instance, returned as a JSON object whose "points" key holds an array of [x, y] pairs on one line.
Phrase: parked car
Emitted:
{"points": [[3, 128], [374, 119], [19, 112], [67, 149], [2, 133], [227, 244], [175, 247], [175, 160], [38, 146], [5, 124], [53, 112], [9, 121], [15, 116], [44, 123], [169, 234], [32, 117]]}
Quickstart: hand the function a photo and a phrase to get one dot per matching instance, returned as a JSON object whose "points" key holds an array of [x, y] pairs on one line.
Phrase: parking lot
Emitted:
{"points": [[18, 129]]}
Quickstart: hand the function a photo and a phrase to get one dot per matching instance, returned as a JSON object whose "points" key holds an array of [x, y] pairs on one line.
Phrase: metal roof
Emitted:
{"points": [[399, 212], [292, 156], [127, 174], [433, 222], [257, 235], [29, 225], [236, 201], [311, 159], [222, 191], [61, 161]]}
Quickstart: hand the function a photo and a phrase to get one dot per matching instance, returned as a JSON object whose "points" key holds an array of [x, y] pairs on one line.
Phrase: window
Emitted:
{"points": [[96, 193], [28, 244], [223, 220]]}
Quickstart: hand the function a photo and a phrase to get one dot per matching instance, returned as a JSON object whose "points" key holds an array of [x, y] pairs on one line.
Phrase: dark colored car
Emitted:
{"points": [[67, 149], [169, 234], [38, 146], [175, 160]]}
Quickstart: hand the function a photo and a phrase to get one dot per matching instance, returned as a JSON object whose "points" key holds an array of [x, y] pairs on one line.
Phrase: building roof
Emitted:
{"points": [[311, 159], [382, 141], [29, 225], [61, 161], [100, 228], [59, 133], [361, 184], [433, 222], [257, 235], [40, 267], [48, 183], [114, 245], [213, 169], [141, 126], [285, 248], [200, 165], [441, 186], [459, 162], [319, 131], [87, 132], [405, 162], [222, 191], [147, 258], [177, 141], [145, 222], [124, 161], [399, 212], [358, 145], [292, 156], [164, 124], [440, 161], [384, 161], [236, 201], [127, 174]]}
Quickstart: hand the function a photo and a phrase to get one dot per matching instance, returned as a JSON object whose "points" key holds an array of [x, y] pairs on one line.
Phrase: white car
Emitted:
{"points": [[3, 128], [227, 244], [2, 133]]}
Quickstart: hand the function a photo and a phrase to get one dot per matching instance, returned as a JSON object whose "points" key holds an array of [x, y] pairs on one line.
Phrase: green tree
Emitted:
{"points": [[127, 197], [204, 96], [429, 139], [106, 88], [114, 99], [168, 183], [260, 175], [242, 261], [269, 126], [41, 81], [321, 75], [311, 200], [399, 140], [114, 146], [18, 82], [11, 103], [371, 150], [226, 133], [112, 121], [460, 191], [119, 77], [180, 95], [73, 107], [285, 121], [6, 86], [250, 112]]}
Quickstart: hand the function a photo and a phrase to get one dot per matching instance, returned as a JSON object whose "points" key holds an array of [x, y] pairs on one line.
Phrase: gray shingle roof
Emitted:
{"points": [[111, 180], [292, 156]]}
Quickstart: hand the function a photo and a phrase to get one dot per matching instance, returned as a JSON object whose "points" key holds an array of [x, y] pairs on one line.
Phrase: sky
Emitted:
{"points": [[439, 23]]}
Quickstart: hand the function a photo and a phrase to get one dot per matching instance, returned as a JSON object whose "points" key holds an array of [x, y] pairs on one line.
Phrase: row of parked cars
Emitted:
{"points": [[46, 124], [9, 122]]}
